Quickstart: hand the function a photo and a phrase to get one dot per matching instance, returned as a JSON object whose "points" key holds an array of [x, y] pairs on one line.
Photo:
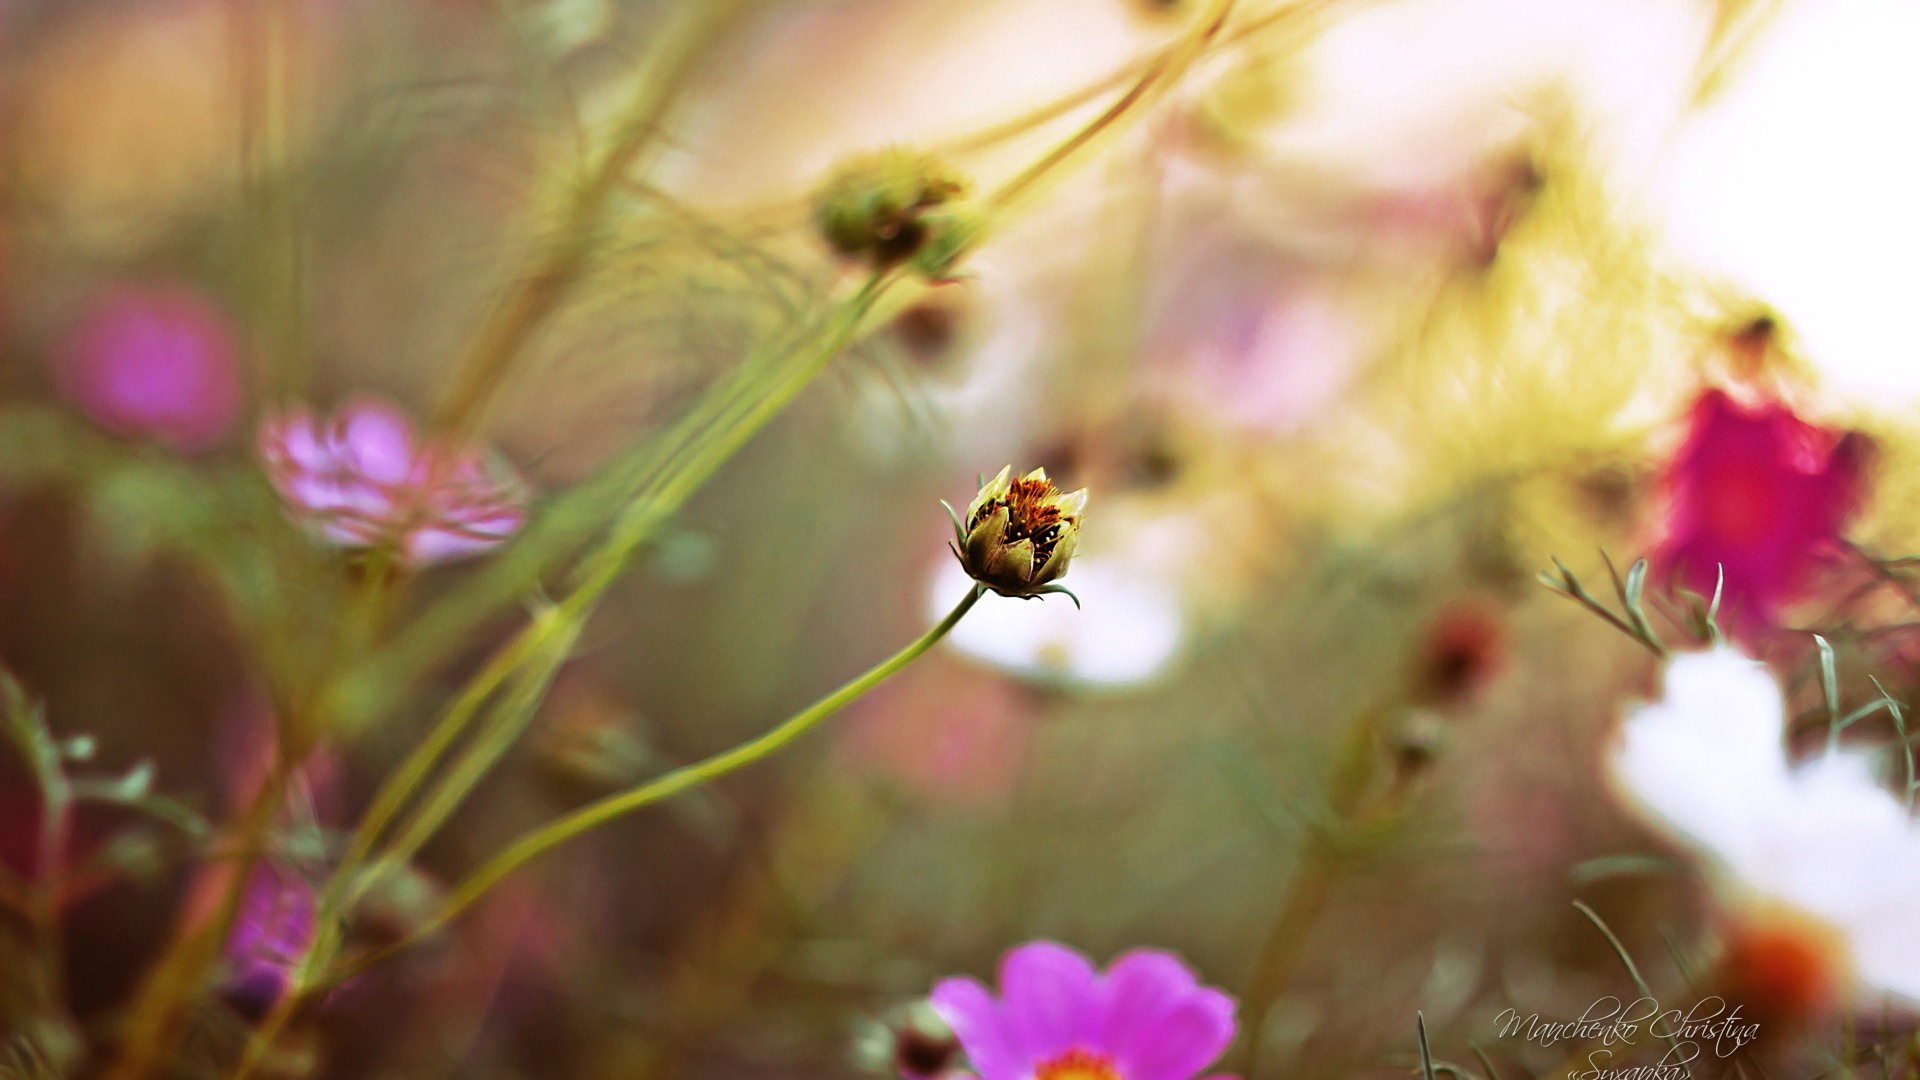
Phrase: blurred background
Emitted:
{"points": [[1376, 309]]}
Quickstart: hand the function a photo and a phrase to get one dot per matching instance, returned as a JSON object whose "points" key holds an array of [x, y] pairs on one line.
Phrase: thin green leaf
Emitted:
{"points": [[1426, 1055]]}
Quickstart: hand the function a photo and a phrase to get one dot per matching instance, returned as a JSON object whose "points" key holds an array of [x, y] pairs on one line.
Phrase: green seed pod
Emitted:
{"points": [[886, 208]]}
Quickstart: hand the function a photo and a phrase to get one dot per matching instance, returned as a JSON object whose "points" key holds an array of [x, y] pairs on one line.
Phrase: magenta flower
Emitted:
{"points": [[1761, 494], [1145, 1018], [272, 928], [362, 480], [156, 362]]}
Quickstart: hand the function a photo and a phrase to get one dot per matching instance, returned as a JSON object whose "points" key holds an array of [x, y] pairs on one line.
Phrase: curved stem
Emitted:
{"points": [[593, 815]]}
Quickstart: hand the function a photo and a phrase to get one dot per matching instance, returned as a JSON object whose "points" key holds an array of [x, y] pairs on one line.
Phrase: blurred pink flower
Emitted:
{"points": [[1250, 337], [1145, 1018], [157, 362], [943, 732], [1761, 494], [362, 480], [272, 928], [1462, 650]]}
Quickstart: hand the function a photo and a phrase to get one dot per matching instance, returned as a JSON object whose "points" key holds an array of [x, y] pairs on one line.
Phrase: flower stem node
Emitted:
{"points": [[896, 207], [1019, 534]]}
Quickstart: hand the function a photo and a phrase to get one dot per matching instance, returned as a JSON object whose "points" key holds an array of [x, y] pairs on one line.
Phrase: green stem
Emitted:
{"points": [[540, 291], [178, 976], [1322, 855], [1305, 898], [592, 816], [1160, 73], [652, 505]]}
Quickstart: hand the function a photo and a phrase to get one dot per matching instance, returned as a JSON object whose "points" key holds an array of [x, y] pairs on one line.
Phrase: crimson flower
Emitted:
{"points": [[1760, 495]]}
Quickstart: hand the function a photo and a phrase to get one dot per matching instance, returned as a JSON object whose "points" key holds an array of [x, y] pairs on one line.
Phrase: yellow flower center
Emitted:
{"points": [[1032, 514], [1077, 1065]]}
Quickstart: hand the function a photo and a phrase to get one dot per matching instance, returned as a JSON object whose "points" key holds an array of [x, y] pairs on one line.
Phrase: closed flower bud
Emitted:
{"points": [[924, 1048], [1019, 535], [891, 208]]}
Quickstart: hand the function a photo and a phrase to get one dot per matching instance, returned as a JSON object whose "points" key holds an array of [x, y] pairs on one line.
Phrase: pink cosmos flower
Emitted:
{"points": [[157, 362], [1144, 1018], [362, 480], [1762, 494]]}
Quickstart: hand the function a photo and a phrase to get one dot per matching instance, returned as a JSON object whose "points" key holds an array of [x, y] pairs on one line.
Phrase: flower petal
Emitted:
{"points": [[990, 491], [1183, 1041], [976, 1021], [1051, 995], [985, 538], [378, 440], [1139, 989], [1011, 564], [1056, 564]]}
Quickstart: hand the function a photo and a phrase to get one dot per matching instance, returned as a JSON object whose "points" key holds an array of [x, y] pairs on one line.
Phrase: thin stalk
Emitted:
{"points": [[568, 523], [393, 795], [1159, 73], [1283, 17], [645, 515], [1322, 854], [48, 896], [164, 998], [738, 418], [539, 292], [1305, 898], [1633, 972], [592, 816], [511, 717]]}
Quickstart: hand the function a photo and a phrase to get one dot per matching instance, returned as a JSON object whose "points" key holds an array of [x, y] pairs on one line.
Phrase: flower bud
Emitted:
{"points": [[1019, 535], [924, 1048], [891, 208]]}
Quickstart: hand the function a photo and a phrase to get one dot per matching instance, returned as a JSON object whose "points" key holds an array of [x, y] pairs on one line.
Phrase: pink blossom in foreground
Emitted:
{"points": [[271, 929], [158, 363], [1761, 494], [1144, 1018], [362, 480]]}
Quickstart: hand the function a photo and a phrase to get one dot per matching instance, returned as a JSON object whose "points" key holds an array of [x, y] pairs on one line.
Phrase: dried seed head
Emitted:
{"points": [[1019, 534]]}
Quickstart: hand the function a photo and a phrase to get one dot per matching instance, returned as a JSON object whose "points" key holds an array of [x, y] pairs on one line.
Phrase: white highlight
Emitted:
{"points": [[1800, 186], [1129, 632], [1709, 762]]}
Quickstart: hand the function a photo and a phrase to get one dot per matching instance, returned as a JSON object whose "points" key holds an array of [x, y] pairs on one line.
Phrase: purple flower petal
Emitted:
{"points": [[433, 544], [1139, 989], [970, 1011], [1049, 994], [273, 926], [378, 441], [1183, 1041]]}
